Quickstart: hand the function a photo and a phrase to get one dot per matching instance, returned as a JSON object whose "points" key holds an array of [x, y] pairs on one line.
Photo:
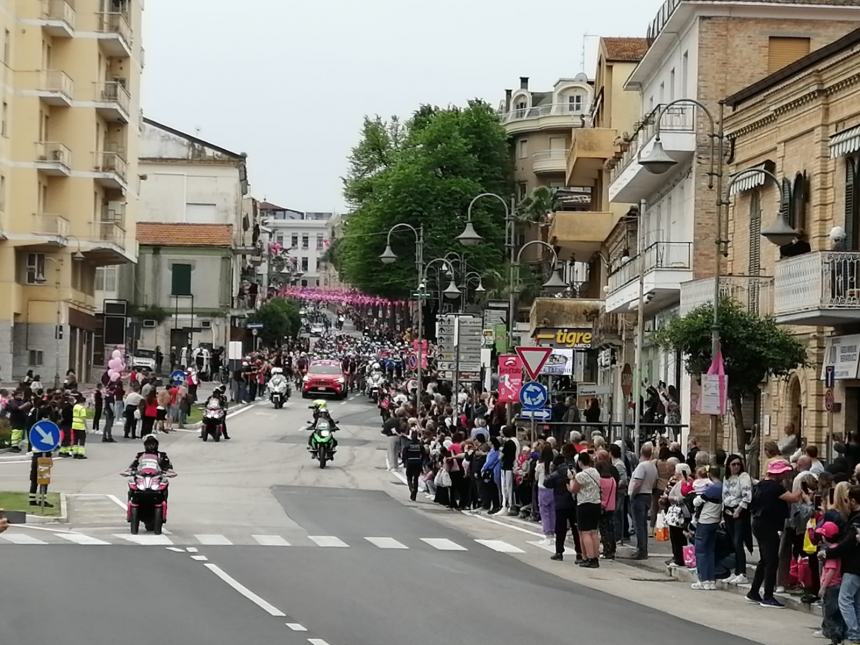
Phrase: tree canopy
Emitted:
{"points": [[280, 319], [424, 172]]}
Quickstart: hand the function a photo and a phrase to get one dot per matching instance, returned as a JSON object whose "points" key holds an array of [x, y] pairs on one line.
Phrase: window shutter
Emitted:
{"points": [[755, 234], [180, 280], [784, 51], [851, 201]]}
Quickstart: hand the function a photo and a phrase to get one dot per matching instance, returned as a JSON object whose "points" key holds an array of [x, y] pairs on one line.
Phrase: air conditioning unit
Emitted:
{"points": [[149, 324], [205, 324]]}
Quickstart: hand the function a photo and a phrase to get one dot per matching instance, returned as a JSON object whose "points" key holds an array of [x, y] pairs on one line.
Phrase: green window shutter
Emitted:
{"points": [[180, 283]]}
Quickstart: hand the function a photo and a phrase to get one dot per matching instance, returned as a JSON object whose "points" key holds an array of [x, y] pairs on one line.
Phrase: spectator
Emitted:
{"points": [[709, 511], [609, 483], [586, 486], [788, 444], [678, 511], [737, 496], [621, 491], [641, 487], [665, 470], [816, 467], [832, 625], [565, 503], [510, 449], [546, 501], [491, 473]]}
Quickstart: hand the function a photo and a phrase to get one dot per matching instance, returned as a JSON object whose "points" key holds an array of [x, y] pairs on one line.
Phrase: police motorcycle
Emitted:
{"points": [[279, 388]]}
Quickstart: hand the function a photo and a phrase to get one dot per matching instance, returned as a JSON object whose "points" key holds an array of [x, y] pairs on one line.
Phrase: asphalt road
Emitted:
{"points": [[264, 547]]}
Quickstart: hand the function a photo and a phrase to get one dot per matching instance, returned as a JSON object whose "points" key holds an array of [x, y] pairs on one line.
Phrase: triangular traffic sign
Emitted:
{"points": [[534, 358]]}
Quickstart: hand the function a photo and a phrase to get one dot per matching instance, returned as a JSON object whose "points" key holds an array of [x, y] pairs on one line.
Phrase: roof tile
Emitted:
{"points": [[625, 49], [159, 234]]}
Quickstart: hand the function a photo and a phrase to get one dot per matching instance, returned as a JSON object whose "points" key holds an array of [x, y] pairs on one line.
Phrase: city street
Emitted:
{"points": [[263, 546]]}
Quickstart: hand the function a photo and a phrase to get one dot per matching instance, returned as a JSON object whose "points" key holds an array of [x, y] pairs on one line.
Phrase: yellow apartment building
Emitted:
{"points": [[69, 124]]}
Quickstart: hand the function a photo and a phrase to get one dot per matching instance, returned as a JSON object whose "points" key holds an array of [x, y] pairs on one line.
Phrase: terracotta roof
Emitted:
{"points": [[158, 234], [625, 49], [269, 206]]}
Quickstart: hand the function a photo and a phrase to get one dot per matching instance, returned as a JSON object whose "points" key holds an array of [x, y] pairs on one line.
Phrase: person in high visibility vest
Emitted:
{"points": [[79, 428]]}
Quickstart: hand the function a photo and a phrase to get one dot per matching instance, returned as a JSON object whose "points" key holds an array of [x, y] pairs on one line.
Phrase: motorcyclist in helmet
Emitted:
{"points": [[220, 395], [320, 410], [150, 447]]}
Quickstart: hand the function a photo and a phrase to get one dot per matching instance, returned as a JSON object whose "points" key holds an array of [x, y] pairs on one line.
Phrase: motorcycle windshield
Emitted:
{"points": [[148, 466]]}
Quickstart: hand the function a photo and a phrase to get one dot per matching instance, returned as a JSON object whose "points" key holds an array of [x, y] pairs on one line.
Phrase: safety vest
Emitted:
{"points": [[79, 417]]}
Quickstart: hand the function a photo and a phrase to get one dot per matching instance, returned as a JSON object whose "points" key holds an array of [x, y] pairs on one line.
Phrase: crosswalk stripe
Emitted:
{"points": [[328, 541], [386, 543], [270, 540], [80, 538], [443, 544], [541, 545], [213, 540], [145, 540], [500, 546], [21, 538]]}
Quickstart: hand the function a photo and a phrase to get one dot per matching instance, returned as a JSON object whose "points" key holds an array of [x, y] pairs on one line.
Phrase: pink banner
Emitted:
{"points": [[714, 390], [510, 378], [342, 296]]}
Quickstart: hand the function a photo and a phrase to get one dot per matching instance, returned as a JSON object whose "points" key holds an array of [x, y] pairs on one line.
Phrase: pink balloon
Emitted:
{"points": [[116, 354], [115, 364], [113, 375]]}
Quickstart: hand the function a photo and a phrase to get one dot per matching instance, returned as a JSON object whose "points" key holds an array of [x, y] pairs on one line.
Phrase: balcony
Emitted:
{"points": [[547, 315], [115, 34], [58, 18], [580, 232], [114, 213], [629, 180], [667, 266], [817, 289], [754, 293], [107, 244], [111, 170], [607, 329], [55, 88], [113, 101], [552, 116], [549, 161], [53, 159], [590, 149]]}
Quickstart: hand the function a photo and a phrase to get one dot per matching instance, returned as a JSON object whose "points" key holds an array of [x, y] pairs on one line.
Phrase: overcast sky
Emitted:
{"points": [[289, 81]]}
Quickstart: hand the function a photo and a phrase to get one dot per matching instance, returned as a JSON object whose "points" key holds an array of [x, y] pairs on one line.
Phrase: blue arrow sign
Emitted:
{"points": [[177, 376], [543, 414], [44, 436], [533, 396]]}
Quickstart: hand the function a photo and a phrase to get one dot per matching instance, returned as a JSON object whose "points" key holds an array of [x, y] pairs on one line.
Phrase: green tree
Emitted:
{"points": [[423, 173], [754, 348], [280, 318]]}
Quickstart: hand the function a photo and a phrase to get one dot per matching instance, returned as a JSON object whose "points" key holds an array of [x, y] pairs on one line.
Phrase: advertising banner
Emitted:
{"points": [[510, 378]]}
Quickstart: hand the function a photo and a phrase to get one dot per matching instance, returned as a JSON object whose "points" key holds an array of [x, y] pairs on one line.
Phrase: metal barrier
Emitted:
{"points": [[532, 429]]}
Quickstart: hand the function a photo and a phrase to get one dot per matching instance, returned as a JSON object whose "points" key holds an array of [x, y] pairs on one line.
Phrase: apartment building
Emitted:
{"points": [[69, 112], [196, 189], [802, 124], [305, 234], [702, 51]]}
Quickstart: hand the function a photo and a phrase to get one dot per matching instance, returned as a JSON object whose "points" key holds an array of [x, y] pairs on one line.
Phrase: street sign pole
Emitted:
{"points": [[455, 397]]}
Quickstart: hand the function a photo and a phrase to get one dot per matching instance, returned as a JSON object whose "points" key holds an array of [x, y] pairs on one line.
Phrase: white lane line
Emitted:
{"points": [[80, 538], [199, 558], [191, 549], [500, 546], [116, 500], [541, 545], [145, 540], [296, 627], [21, 538], [386, 543], [30, 527], [242, 589], [443, 544], [175, 549], [505, 524], [317, 641], [213, 540], [328, 541], [270, 540]]}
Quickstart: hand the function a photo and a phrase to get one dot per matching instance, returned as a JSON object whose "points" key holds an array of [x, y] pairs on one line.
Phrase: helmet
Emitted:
{"points": [[277, 370], [150, 440], [320, 404]]}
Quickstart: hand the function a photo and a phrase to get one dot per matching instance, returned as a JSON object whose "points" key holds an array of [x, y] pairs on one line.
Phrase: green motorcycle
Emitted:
{"points": [[322, 446]]}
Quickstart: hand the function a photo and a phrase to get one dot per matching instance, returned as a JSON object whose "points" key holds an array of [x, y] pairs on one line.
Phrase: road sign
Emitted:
{"points": [[534, 359], [177, 376], [543, 414], [44, 436], [254, 325], [590, 389], [829, 376], [828, 400], [43, 470], [533, 396]]}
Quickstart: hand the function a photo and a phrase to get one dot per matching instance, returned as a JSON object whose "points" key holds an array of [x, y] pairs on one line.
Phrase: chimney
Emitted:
{"points": [[524, 82], [508, 100]]}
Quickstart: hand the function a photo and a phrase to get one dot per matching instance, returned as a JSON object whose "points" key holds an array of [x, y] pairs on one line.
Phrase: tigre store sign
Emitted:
{"points": [[569, 338]]}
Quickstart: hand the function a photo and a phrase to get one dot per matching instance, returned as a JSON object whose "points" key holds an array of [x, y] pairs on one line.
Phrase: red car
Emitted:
{"points": [[324, 377]]}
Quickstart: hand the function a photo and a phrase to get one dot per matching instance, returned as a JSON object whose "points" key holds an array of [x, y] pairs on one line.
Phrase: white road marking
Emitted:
{"points": [[317, 641], [117, 501], [213, 540], [175, 549], [31, 527], [386, 543], [270, 540], [443, 544], [199, 558], [541, 545], [328, 541], [80, 538], [505, 524], [296, 627], [21, 538], [500, 546], [191, 549], [242, 589], [145, 540]]}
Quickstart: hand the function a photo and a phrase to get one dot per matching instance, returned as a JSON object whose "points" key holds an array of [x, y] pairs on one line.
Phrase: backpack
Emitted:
{"points": [[414, 454]]}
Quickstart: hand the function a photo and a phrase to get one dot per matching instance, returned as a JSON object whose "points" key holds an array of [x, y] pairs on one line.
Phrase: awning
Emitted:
{"points": [[845, 142], [749, 180]]}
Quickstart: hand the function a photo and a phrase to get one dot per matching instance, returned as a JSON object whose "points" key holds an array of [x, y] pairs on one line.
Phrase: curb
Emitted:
{"points": [[62, 518]]}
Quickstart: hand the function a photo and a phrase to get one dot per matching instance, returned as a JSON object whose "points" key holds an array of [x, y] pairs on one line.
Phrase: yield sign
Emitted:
{"points": [[533, 359]]}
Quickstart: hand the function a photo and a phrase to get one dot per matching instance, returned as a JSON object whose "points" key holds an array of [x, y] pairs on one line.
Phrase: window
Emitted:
{"points": [[852, 202], [107, 278], [304, 283], [36, 357], [685, 70], [180, 280], [523, 148], [754, 267], [663, 92], [320, 241], [672, 85], [522, 190], [305, 263], [305, 241], [35, 268], [782, 51], [521, 107], [294, 241], [574, 103]]}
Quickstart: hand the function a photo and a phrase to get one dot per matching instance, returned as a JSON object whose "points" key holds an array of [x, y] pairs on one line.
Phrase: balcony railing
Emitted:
{"points": [[59, 10], [110, 232], [50, 224], [115, 22], [753, 293], [112, 162], [678, 118], [114, 92], [115, 215], [549, 160], [58, 82], [53, 153], [549, 109], [675, 256], [811, 282]]}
